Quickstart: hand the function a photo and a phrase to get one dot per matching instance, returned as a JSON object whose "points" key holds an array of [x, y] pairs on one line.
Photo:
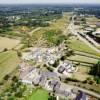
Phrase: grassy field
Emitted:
{"points": [[82, 73], [81, 46], [83, 58], [8, 43], [61, 23], [39, 94], [57, 25], [8, 62]]}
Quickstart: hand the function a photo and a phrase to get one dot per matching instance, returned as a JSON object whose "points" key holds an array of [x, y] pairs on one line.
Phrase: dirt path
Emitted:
{"points": [[34, 30]]}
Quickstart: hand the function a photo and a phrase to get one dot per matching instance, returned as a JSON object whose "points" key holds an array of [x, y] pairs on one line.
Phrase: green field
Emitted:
{"points": [[81, 46], [39, 94], [54, 37], [8, 62], [83, 58]]}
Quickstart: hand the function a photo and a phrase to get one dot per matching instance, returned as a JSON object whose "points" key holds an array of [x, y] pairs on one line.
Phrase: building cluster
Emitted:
{"points": [[90, 30], [48, 80], [43, 55], [36, 76], [66, 67]]}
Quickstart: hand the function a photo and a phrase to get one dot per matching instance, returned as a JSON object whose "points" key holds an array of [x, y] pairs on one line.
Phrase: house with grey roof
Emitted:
{"points": [[61, 69], [81, 96]]}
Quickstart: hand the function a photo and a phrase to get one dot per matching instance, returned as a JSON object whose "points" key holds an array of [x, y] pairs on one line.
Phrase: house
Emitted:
{"points": [[89, 29], [63, 93], [36, 80], [53, 85], [48, 74], [97, 33], [61, 69], [81, 96], [65, 66]]}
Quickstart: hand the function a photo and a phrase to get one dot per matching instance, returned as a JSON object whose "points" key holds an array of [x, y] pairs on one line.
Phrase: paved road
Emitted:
{"points": [[74, 32], [66, 86]]}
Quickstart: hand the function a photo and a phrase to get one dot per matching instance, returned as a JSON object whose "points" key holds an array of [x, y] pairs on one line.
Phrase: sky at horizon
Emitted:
{"points": [[49, 1]]}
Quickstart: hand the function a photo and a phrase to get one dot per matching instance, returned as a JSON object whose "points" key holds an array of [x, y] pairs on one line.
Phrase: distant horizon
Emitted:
{"points": [[10, 2], [49, 4]]}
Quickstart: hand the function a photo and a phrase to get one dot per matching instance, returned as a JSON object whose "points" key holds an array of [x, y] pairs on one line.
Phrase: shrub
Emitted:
{"points": [[6, 77], [72, 79]]}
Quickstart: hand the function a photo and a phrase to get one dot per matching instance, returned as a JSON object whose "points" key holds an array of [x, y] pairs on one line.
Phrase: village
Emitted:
{"points": [[48, 79], [49, 53]]}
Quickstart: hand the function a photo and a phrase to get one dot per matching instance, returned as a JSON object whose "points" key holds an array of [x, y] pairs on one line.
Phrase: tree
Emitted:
{"points": [[19, 54], [97, 79], [18, 94], [5, 49], [56, 63], [95, 70], [50, 69], [11, 98], [89, 80], [15, 79], [6, 77]]}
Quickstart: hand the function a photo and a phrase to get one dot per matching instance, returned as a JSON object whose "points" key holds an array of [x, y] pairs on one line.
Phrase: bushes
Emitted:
{"points": [[15, 90], [54, 37], [89, 81], [71, 79], [19, 53], [50, 69], [5, 49], [97, 79], [95, 70], [6, 77], [56, 63]]}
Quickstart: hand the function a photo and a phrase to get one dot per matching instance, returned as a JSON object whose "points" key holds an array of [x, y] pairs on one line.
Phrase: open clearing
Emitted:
{"points": [[8, 43], [8, 62], [39, 94]]}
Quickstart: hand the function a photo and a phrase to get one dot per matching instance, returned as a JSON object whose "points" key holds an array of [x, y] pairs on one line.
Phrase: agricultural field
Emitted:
{"points": [[92, 20], [39, 94], [82, 73], [83, 59], [76, 44], [8, 43], [8, 62]]}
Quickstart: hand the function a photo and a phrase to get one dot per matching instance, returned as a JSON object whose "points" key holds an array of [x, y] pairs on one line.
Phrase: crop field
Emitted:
{"points": [[83, 59], [82, 73], [8, 62], [8, 43], [76, 44]]}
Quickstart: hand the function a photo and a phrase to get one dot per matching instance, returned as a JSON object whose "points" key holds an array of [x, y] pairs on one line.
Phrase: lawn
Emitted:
{"points": [[39, 94], [8, 62], [76, 44]]}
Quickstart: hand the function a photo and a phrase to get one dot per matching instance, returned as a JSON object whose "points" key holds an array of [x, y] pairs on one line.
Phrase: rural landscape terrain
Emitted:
{"points": [[49, 52]]}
